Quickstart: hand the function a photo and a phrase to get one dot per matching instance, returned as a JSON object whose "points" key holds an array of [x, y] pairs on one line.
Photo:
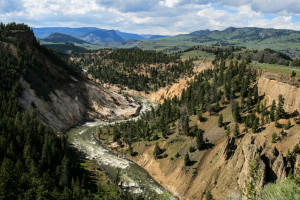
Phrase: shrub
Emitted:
{"points": [[285, 190], [192, 149]]}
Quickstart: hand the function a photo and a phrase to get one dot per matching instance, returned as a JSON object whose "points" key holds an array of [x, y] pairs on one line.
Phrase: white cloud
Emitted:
{"points": [[153, 16], [280, 22], [7, 6]]}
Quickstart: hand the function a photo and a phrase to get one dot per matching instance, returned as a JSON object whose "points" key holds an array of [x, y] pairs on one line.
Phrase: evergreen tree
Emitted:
{"points": [[200, 117], [157, 151], [220, 121], [255, 124], [236, 130], [228, 132], [272, 111], [279, 110], [186, 127], [200, 141], [130, 149], [261, 60], [249, 99], [187, 160], [255, 93], [236, 112], [276, 120]]}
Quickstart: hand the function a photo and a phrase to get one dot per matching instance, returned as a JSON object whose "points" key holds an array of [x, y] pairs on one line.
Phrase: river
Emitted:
{"points": [[134, 178]]}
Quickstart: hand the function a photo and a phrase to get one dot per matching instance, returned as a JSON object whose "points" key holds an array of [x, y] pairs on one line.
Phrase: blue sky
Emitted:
{"points": [[167, 17]]}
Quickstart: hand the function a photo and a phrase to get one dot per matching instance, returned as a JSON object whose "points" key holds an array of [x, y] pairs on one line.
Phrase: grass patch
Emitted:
{"points": [[275, 68], [202, 55]]}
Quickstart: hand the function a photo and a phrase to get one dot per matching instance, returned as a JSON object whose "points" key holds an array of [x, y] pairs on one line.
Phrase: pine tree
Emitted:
{"points": [[220, 121], [272, 111], [130, 149], [279, 110], [186, 127], [187, 160], [255, 93], [257, 108], [236, 112], [200, 141], [255, 124], [249, 99], [236, 130], [276, 121], [228, 132], [157, 151], [261, 60], [200, 117]]}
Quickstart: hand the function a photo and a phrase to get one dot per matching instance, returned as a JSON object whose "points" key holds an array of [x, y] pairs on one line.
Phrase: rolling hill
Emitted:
{"points": [[286, 41], [59, 37]]}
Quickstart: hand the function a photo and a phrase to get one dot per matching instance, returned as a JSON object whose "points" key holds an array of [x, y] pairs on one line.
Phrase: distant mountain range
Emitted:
{"points": [[92, 35], [244, 34], [286, 41]]}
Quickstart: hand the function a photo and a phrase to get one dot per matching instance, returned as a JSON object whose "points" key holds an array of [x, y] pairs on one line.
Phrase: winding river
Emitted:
{"points": [[133, 177]]}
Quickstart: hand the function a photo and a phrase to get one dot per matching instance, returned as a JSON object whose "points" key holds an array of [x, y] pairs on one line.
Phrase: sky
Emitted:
{"points": [[164, 17]]}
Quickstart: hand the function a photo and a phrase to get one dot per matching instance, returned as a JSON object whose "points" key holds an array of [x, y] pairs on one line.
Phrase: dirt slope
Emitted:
{"points": [[270, 86], [78, 102]]}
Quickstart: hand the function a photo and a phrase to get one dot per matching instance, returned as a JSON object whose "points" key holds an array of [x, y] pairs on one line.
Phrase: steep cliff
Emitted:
{"points": [[78, 102], [57, 89], [272, 85]]}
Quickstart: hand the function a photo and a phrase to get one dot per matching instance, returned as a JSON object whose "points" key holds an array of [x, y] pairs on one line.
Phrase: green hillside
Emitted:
{"points": [[287, 41]]}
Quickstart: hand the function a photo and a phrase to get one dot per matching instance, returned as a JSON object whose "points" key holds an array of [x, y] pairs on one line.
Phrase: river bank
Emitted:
{"points": [[131, 176]]}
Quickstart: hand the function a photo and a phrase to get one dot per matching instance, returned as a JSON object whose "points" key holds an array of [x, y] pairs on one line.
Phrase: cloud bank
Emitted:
{"points": [[154, 16]]}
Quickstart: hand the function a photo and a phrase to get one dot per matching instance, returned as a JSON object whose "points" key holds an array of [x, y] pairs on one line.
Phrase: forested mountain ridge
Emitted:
{"points": [[35, 161]]}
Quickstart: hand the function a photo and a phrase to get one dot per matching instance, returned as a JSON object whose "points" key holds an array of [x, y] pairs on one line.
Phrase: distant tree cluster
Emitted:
{"points": [[14, 26]]}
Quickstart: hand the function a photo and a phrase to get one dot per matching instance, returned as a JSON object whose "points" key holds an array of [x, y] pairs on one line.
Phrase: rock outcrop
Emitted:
{"points": [[272, 88], [78, 102]]}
